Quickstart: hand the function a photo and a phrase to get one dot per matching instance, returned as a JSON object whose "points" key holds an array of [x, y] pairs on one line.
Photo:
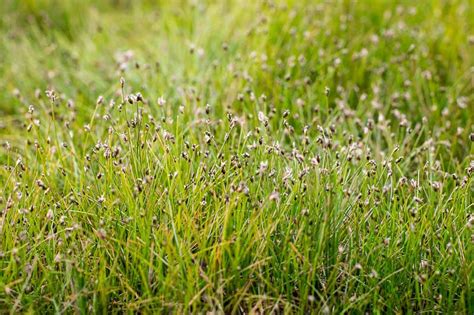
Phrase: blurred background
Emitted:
{"points": [[82, 48]]}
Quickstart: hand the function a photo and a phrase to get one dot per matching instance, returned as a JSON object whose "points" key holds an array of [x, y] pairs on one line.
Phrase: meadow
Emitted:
{"points": [[241, 156]]}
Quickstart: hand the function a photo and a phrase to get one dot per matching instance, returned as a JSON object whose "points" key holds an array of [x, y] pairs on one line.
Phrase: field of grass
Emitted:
{"points": [[242, 156]]}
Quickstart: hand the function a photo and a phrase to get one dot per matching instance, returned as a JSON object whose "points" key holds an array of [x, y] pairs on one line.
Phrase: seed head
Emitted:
{"points": [[262, 118], [274, 196], [101, 199], [131, 99], [436, 186], [41, 184], [327, 90], [50, 214], [263, 167], [101, 233], [57, 258], [161, 101]]}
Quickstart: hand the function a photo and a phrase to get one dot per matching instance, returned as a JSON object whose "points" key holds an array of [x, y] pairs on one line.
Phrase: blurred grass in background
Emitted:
{"points": [[394, 60]]}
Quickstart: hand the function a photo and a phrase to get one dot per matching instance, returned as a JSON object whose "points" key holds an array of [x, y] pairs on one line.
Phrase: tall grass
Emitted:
{"points": [[241, 156]]}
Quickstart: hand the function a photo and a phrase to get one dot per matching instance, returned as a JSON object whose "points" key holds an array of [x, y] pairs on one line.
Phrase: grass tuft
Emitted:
{"points": [[236, 156]]}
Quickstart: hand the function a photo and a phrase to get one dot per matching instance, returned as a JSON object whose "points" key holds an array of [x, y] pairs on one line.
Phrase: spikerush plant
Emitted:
{"points": [[287, 157]]}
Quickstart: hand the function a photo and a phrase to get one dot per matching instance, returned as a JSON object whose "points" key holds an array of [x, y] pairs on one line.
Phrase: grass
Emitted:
{"points": [[236, 156]]}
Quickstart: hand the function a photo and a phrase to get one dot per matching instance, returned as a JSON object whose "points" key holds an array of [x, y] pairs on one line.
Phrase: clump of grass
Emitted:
{"points": [[269, 157]]}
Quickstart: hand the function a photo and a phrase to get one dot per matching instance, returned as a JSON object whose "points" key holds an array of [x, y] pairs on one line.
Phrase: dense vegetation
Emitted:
{"points": [[237, 156]]}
